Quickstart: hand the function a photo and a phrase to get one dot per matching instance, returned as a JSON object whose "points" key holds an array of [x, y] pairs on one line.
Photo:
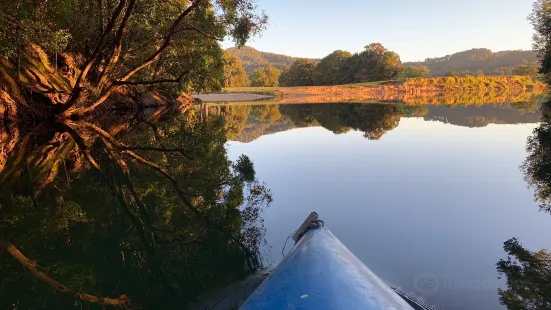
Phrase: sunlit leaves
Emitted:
{"points": [[266, 77], [234, 74], [301, 73]]}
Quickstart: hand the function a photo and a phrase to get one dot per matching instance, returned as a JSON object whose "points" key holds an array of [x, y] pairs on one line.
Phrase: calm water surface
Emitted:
{"points": [[147, 208], [428, 201]]}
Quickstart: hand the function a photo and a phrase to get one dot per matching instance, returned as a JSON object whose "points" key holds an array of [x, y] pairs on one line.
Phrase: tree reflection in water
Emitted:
{"points": [[528, 273], [134, 212]]}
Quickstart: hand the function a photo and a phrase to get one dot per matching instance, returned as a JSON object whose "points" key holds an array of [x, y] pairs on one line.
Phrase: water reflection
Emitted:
{"points": [[134, 211], [432, 200], [528, 272], [147, 210], [246, 123]]}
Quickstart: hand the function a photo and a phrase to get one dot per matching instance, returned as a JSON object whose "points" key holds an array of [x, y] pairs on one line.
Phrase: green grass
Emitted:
{"points": [[367, 84]]}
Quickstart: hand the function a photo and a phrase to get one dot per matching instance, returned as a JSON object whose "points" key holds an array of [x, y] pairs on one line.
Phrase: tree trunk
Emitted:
{"points": [[18, 62]]}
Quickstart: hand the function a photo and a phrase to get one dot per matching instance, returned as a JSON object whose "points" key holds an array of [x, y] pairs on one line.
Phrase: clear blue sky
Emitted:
{"points": [[415, 29]]}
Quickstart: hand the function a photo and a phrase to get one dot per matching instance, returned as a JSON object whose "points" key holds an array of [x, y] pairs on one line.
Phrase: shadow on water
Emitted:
{"points": [[135, 211]]}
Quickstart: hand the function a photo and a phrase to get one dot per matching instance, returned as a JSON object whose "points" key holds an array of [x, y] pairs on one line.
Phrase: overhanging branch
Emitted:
{"points": [[176, 80], [200, 32]]}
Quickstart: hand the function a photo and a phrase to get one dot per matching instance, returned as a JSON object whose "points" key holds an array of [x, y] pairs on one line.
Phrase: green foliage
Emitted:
{"points": [[301, 73], [413, 72], [526, 70], [245, 168], [329, 71], [33, 22], [185, 51], [375, 63], [528, 276], [234, 74], [266, 77], [541, 21]]}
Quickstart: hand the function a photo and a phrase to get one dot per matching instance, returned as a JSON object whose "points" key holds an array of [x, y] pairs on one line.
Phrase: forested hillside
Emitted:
{"points": [[468, 62], [342, 67], [253, 59]]}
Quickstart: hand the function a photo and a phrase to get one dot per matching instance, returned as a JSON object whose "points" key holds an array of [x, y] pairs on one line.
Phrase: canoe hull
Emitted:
{"points": [[321, 273]]}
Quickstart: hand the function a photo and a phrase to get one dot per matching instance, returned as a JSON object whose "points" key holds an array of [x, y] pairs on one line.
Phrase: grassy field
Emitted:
{"points": [[441, 90], [463, 83], [272, 91]]}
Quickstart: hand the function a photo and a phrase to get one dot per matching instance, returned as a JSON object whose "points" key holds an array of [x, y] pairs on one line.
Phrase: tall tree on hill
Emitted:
{"points": [[266, 77], [375, 63], [301, 73], [329, 70], [234, 74]]}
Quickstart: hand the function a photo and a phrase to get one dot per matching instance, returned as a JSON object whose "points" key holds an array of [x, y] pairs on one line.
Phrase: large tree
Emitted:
{"points": [[301, 73], [329, 70], [375, 63], [266, 77], [128, 45], [234, 74]]}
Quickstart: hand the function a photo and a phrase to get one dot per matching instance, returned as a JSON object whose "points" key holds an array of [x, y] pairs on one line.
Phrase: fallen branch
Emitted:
{"points": [[31, 266]]}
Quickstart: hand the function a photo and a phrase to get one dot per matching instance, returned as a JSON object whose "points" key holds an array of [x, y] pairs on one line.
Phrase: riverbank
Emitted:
{"points": [[448, 90]]}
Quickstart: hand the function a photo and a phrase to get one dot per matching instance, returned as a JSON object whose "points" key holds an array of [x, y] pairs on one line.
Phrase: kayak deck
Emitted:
{"points": [[321, 273]]}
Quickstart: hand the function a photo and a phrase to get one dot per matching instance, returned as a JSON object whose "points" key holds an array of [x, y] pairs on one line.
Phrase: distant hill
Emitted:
{"points": [[253, 59], [498, 63], [492, 63]]}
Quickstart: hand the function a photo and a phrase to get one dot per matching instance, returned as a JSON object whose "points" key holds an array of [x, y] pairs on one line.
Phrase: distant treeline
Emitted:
{"points": [[374, 63], [479, 60]]}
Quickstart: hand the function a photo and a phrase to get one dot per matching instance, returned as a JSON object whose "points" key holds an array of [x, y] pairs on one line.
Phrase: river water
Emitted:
{"points": [[147, 211], [426, 204]]}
